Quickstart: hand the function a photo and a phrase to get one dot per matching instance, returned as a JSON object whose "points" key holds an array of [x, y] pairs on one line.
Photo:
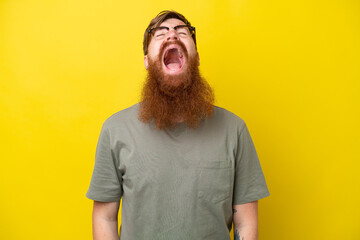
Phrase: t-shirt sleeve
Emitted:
{"points": [[105, 185], [250, 184]]}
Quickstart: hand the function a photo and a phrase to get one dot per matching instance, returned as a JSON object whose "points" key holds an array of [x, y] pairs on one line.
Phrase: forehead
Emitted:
{"points": [[172, 22]]}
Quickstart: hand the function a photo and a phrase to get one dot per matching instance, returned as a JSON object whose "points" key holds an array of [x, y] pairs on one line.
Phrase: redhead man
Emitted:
{"points": [[184, 168]]}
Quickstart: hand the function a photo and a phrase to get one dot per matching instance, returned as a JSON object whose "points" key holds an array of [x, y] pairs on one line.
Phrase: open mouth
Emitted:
{"points": [[173, 58]]}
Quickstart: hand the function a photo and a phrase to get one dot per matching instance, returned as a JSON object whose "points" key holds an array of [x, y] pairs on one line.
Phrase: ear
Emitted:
{"points": [[198, 58], [146, 62]]}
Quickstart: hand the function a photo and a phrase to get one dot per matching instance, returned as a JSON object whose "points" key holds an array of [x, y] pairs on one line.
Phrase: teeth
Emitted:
{"points": [[180, 53]]}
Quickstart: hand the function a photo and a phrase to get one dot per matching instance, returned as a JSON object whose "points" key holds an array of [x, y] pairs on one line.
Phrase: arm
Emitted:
{"points": [[105, 220], [245, 220]]}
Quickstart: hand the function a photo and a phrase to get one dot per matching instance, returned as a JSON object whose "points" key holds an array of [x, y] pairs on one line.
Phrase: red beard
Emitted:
{"points": [[169, 99]]}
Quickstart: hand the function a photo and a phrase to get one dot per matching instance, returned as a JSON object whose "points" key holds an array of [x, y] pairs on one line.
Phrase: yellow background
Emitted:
{"points": [[290, 69]]}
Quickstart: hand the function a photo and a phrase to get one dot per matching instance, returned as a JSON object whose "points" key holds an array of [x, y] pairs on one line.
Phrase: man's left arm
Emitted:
{"points": [[245, 219]]}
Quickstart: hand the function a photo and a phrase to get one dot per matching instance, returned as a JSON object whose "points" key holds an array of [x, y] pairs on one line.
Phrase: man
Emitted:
{"points": [[185, 169]]}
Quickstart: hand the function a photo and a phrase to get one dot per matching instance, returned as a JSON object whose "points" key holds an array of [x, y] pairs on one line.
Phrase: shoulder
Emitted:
{"points": [[125, 116], [227, 117]]}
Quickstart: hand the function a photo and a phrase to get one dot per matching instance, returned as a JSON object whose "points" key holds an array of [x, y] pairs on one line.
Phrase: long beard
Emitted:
{"points": [[167, 100]]}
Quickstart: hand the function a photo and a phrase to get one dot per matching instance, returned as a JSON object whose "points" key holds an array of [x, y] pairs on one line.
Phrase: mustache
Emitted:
{"points": [[168, 43]]}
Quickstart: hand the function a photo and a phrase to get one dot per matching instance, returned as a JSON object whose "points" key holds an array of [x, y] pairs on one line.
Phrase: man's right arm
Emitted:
{"points": [[105, 220]]}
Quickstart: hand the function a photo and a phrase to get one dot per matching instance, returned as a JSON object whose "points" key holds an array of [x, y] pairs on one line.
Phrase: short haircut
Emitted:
{"points": [[158, 20]]}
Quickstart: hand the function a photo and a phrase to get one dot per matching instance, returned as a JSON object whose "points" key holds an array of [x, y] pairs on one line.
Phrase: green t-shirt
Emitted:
{"points": [[179, 183]]}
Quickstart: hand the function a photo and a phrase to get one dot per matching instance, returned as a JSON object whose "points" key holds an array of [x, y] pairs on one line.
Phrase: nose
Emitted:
{"points": [[172, 35]]}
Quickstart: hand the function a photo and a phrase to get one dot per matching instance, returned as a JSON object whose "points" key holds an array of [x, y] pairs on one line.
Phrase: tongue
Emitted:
{"points": [[172, 60], [173, 66]]}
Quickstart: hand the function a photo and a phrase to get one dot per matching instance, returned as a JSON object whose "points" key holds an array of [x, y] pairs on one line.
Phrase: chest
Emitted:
{"points": [[184, 163]]}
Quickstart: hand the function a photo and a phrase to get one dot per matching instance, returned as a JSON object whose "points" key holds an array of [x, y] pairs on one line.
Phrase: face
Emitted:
{"points": [[174, 90], [173, 50]]}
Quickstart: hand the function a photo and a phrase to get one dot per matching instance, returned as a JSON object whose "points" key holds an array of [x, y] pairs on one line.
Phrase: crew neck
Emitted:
{"points": [[177, 129]]}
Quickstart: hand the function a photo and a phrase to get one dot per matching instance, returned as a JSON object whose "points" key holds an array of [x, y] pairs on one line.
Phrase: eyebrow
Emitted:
{"points": [[181, 25], [168, 28]]}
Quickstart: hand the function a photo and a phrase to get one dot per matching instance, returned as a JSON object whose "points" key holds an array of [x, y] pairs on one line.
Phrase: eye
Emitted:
{"points": [[160, 32], [182, 31]]}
